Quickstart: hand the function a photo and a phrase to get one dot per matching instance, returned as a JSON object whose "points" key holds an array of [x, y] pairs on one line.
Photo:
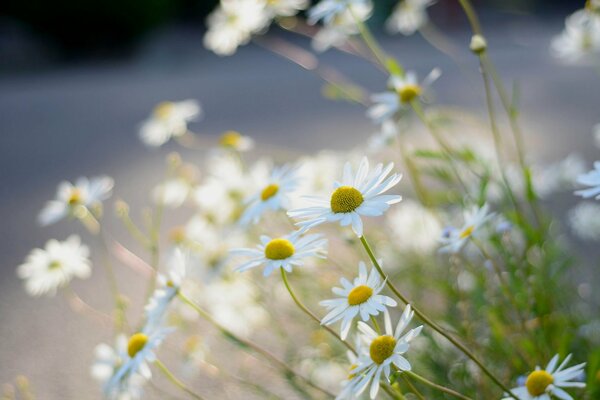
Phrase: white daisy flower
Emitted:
{"points": [[108, 361], [543, 384], [285, 8], [337, 31], [46, 270], [381, 352], [408, 16], [283, 252], [328, 10], [360, 297], [584, 220], [169, 119], [172, 193], [454, 239], [592, 179], [274, 193], [580, 38], [353, 197], [387, 135], [348, 385], [236, 141], [403, 90], [85, 192]]}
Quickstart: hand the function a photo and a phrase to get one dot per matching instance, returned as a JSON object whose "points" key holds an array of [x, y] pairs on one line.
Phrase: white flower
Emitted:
{"points": [[585, 220], [454, 239], [236, 141], [414, 227], [285, 8], [337, 30], [353, 197], [360, 297], [543, 384], [409, 16], [386, 136], [86, 192], [592, 179], [46, 270], [580, 38], [381, 351], [274, 193], [328, 10], [172, 193], [169, 119], [284, 252], [560, 175], [108, 361], [403, 90]]}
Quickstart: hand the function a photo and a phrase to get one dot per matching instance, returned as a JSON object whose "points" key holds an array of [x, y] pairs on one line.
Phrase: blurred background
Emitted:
{"points": [[77, 77]]}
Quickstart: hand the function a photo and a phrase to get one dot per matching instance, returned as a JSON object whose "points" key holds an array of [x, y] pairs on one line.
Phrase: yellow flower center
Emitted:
{"points": [[346, 199], [163, 110], [136, 343], [382, 348], [74, 197], [279, 249], [269, 191], [409, 92], [230, 139], [537, 382], [359, 295], [54, 265], [467, 232]]}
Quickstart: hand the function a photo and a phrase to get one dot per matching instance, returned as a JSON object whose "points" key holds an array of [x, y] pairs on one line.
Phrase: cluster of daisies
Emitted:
{"points": [[580, 40]]}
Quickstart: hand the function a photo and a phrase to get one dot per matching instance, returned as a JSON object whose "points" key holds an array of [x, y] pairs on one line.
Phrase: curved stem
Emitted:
{"points": [[163, 368], [370, 40], [436, 386]]}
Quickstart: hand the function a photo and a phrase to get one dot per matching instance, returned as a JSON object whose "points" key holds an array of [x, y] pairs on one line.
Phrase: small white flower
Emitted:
{"points": [[328, 10], [337, 30], [403, 90], [454, 239], [172, 193], [592, 179], [85, 192], [360, 297], [284, 252], [580, 38], [274, 193], [543, 384], [285, 8], [381, 351], [387, 135], [585, 220], [236, 141], [355, 196], [414, 227], [46, 270], [169, 119], [408, 16]]}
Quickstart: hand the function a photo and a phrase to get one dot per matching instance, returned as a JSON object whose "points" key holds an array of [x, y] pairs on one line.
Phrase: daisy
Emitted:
{"points": [[403, 90], [408, 16], [46, 270], [353, 197], [172, 193], [360, 297], [337, 31], [283, 252], [274, 193], [543, 384], [584, 220], [592, 179], [580, 38], [285, 8], [236, 141], [169, 119], [328, 10], [414, 227], [85, 192], [454, 239], [387, 135], [383, 352]]}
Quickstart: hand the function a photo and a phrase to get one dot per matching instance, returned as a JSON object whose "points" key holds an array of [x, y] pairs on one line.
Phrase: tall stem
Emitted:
{"points": [[436, 386], [163, 368]]}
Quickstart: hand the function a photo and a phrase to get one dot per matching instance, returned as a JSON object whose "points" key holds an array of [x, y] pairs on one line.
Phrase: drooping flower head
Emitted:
{"points": [[169, 119]]}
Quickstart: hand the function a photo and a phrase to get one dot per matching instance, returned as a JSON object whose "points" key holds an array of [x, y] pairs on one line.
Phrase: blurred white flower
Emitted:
{"points": [[388, 133], [584, 219], [357, 195], [236, 141], [408, 16], [169, 119], [414, 227], [337, 30], [317, 173], [86, 192], [580, 38], [360, 297], [592, 179], [46, 270], [453, 239], [544, 384], [172, 193], [548, 179], [328, 10], [285, 8]]}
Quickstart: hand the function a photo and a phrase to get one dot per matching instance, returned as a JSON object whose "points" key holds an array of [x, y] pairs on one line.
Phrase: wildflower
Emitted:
{"points": [[454, 239], [172, 193], [356, 196], [414, 227], [328, 10], [558, 176], [285, 8], [584, 219], [236, 141], [580, 38], [542, 384], [337, 31], [169, 119], [383, 352], [46, 270], [85, 192], [387, 134], [408, 16], [592, 179], [361, 297], [403, 90]]}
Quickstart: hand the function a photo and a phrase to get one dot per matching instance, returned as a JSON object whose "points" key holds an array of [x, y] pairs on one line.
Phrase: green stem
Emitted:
{"points": [[176, 381], [436, 386], [375, 324], [412, 387], [370, 40]]}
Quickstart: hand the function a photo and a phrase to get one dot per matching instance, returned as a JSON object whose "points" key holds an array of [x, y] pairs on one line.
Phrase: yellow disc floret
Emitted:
{"points": [[136, 343], [279, 249], [382, 348], [537, 382], [75, 197], [230, 139], [346, 199], [269, 191], [359, 295], [467, 232], [409, 92], [163, 110]]}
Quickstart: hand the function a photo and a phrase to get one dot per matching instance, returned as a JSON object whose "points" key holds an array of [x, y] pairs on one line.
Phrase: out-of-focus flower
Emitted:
{"points": [[85, 192], [317, 173], [172, 193], [360, 297], [543, 384], [46, 270], [584, 219], [403, 90], [592, 179], [357, 195], [284, 252], [337, 31], [386, 136], [580, 38], [408, 16], [454, 239], [236, 141], [414, 227], [328, 10], [551, 178], [285, 8], [169, 119]]}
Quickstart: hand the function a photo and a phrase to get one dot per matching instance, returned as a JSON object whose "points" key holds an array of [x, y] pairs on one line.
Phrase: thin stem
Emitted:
{"points": [[412, 387], [375, 324], [436, 386], [428, 321], [370, 40], [176, 381]]}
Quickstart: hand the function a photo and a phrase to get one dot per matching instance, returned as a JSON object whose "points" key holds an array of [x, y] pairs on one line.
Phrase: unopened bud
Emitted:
{"points": [[478, 44]]}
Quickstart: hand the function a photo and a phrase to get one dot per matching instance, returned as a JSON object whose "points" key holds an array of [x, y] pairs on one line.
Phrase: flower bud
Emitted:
{"points": [[478, 44]]}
